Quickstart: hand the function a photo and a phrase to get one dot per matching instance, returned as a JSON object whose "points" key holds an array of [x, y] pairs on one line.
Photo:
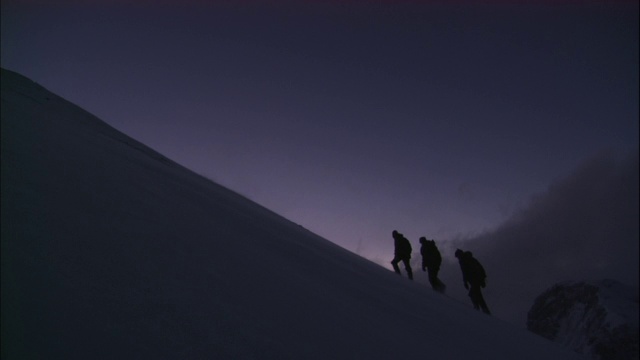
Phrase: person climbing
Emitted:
{"points": [[402, 253], [474, 276], [431, 261]]}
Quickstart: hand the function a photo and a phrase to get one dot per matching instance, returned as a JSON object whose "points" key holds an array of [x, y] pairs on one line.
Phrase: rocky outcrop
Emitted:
{"points": [[597, 319]]}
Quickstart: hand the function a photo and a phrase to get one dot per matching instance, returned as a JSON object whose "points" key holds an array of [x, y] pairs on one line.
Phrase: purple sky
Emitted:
{"points": [[352, 120]]}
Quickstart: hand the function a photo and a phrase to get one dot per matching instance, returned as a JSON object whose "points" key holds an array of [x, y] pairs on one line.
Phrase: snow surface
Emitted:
{"points": [[110, 250]]}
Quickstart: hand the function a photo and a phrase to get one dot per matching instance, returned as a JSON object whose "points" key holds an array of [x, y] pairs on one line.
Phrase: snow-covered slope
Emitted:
{"points": [[599, 319], [110, 250]]}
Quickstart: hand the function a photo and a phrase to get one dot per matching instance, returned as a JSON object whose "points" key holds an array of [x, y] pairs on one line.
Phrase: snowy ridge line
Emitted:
{"points": [[109, 253]]}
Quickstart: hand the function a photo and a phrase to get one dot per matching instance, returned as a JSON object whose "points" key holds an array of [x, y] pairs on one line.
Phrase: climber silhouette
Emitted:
{"points": [[474, 276], [402, 253], [431, 261]]}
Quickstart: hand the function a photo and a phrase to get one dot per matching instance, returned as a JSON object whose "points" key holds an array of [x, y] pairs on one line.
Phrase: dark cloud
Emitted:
{"points": [[583, 227]]}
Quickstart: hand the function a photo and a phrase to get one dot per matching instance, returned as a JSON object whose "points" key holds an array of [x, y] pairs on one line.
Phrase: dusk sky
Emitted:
{"points": [[354, 119]]}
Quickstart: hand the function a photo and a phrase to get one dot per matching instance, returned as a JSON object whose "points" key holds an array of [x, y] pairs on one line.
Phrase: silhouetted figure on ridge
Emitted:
{"points": [[473, 276], [402, 253], [431, 261]]}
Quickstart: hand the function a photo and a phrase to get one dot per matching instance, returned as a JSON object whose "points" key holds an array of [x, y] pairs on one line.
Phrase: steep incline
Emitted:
{"points": [[110, 250]]}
